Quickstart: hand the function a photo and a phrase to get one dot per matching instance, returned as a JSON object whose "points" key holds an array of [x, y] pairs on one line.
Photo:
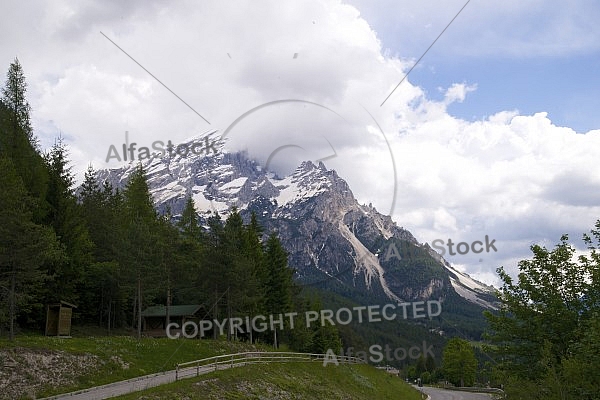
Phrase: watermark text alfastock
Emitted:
{"points": [[130, 150], [463, 247], [378, 353]]}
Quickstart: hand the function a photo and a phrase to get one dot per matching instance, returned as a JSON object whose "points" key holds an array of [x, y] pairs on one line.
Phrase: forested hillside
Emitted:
{"points": [[110, 253]]}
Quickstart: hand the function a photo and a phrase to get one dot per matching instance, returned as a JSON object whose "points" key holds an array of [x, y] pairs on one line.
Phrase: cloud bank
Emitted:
{"points": [[320, 73]]}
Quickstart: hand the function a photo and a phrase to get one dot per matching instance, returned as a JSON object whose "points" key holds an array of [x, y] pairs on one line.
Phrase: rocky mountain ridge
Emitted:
{"points": [[332, 240]]}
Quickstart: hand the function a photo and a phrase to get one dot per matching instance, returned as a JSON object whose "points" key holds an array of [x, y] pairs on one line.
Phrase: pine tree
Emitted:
{"points": [[102, 211], [188, 255], [188, 224], [101, 297], [14, 99], [324, 336], [179, 258], [138, 251], [213, 282], [256, 252], [66, 218], [24, 246], [96, 213], [279, 282], [17, 141], [239, 272]]}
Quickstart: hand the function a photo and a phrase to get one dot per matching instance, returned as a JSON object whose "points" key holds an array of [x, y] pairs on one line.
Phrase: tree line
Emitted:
{"points": [[544, 341], [546, 337], [109, 251]]}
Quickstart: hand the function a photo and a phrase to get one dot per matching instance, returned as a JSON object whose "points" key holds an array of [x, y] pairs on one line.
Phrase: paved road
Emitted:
{"points": [[148, 381], [135, 384], [441, 394]]}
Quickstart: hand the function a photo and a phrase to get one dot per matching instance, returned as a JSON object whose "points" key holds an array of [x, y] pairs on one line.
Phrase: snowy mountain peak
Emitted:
{"points": [[328, 234]]}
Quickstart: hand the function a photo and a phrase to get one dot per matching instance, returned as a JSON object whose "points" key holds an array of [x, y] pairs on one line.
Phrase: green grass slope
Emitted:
{"points": [[38, 366], [286, 381]]}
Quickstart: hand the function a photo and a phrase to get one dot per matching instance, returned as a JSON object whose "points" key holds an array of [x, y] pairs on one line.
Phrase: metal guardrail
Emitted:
{"points": [[192, 368], [475, 389]]}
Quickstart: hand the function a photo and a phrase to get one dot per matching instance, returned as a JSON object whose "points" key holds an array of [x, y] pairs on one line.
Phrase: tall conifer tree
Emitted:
{"points": [[17, 140], [66, 218], [140, 224], [24, 246]]}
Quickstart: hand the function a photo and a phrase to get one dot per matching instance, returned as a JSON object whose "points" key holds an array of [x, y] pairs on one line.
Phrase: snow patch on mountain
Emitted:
{"points": [[312, 206], [469, 288], [234, 185], [303, 184]]}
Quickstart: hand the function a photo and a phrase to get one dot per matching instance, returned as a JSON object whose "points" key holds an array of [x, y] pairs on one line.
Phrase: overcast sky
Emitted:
{"points": [[495, 132]]}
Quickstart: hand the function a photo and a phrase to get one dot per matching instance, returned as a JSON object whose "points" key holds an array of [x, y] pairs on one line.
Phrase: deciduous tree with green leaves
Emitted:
{"points": [[459, 362], [541, 335]]}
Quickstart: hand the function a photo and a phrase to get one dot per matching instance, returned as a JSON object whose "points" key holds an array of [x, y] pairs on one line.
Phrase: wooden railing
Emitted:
{"points": [[192, 368]]}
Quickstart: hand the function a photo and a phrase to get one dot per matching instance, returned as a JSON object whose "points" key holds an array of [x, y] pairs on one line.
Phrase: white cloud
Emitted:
{"points": [[458, 92], [516, 178]]}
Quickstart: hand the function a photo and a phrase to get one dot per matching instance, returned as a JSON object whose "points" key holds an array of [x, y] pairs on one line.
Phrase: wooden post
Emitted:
{"points": [[11, 304], [109, 315], [216, 312], [168, 311], [228, 316], [134, 310], [139, 304]]}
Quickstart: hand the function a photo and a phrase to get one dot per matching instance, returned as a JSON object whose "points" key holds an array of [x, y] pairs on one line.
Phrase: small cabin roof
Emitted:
{"points": [[174, 311]]}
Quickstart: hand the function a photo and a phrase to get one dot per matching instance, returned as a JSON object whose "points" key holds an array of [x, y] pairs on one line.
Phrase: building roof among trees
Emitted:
{"points": [[174, 311]]}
